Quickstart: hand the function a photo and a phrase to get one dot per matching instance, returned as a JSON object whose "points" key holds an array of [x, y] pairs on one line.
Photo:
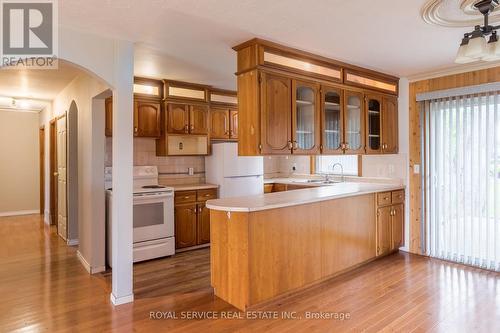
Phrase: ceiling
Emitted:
{"points": [[36, 85], [191, 40]]}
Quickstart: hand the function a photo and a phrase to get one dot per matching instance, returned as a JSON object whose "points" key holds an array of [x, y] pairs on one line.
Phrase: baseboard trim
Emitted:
{"points": [[88, 268], [72, 242], [19, 212], [83, 261], [121, 300]]}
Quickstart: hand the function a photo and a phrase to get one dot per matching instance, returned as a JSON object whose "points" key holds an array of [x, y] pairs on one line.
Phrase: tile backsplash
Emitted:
{"points": [[173, 169], [282, 166]]}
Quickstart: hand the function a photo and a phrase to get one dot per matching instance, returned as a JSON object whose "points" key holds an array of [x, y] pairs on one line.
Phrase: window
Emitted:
{"points": [[324, 164], [462, 179]]}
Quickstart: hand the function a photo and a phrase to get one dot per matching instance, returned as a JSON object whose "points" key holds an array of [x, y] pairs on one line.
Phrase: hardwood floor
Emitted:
{"points": [[44, 288]]}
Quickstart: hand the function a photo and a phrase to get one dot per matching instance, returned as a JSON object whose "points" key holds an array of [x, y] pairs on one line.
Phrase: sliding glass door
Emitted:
{"points": [[461, 149]]}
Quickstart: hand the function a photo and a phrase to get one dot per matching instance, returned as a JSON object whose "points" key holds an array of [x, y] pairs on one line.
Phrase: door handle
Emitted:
{"points": [[56, 174]]}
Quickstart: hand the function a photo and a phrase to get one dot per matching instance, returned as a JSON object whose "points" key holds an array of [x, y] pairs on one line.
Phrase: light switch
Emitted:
{"points": [[416, 169]]}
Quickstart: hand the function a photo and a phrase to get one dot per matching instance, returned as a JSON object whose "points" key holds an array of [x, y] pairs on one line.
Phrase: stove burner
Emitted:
{"points": [[153, 186]]}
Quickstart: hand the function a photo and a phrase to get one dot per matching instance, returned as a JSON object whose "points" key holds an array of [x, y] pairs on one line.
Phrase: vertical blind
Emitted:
{"points": [[461, 149]]}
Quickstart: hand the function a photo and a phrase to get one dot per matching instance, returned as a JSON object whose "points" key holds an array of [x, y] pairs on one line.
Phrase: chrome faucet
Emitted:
{"points": [[341, 170]]}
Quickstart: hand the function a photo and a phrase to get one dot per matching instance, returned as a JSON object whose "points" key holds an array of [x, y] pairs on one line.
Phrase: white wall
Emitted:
{"points": [[90, 225], [19, 166]]}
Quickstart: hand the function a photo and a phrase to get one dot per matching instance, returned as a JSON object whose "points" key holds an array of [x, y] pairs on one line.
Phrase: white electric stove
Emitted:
{"points": [[153, 218]]}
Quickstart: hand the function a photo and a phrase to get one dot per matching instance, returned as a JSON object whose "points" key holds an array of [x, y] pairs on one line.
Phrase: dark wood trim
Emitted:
{"points": [[53, 171], [41, 143]]}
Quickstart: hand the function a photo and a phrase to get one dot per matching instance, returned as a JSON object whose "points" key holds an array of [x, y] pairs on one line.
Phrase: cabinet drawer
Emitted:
{"points": [[204, 195], [185, 197], [398, 196], [384, 198]]}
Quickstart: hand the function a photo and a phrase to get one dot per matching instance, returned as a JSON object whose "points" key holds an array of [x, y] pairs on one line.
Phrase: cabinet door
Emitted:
{"points": [[353, 123], [373, 123], [198, 119], [384, 230], [233, 126], [219, 124], [108, 107], [177, 118], [185, 226], [305, 118], [203, 224], [147, 119], [332, 120], [397, 226], [390, 125], [276, 115]]}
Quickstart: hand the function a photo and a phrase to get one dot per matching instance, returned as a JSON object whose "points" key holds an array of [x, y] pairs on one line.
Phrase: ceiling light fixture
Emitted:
{"points": [[474, 46]]}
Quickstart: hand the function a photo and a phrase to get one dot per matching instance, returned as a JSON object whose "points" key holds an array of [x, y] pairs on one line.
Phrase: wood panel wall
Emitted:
{"points": [[435, 84]]}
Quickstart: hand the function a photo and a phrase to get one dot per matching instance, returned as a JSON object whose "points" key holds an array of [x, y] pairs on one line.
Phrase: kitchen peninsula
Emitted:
{"points": [[270, 245]]}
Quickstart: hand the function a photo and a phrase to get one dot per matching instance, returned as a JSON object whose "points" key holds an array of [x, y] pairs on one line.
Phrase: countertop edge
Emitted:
{"points": [[303, 202]]}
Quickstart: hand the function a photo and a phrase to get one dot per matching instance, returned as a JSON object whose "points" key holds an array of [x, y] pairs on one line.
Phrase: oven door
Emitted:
{"points": [[153, 216]]}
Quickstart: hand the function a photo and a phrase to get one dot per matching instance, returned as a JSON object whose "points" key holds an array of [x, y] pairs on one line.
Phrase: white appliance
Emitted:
{"points": [[236, 175], [153, 218]]}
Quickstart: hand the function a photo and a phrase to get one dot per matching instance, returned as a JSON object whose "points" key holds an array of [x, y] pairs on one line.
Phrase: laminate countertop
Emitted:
{"points": [[193, 187], [298, 197]]}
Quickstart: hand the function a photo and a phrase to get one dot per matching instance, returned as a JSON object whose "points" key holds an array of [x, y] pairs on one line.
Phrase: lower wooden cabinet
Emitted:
{"points": [[390, 221], [185, 225], [203, 224], [192, 217]]}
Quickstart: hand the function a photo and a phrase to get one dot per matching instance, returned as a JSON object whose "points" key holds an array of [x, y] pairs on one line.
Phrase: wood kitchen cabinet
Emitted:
{"points": [[187, 118], [276, 130], [192, 218], [382, 124], [223, 123], [147, 118], [390, 144], [294, 102], [185, 225], [390, 221]]}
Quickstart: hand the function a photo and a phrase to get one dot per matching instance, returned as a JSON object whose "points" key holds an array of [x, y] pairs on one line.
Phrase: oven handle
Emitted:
{"points": [[154, 196]]}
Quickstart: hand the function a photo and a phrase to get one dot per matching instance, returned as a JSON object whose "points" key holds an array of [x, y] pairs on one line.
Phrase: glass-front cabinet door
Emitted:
{"points": [[305, 118], [354, 123], [332, 120], [373, 124]]}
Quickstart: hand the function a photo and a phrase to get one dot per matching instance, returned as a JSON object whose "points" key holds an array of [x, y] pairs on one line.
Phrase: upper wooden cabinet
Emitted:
{"points": [[147, 118], [147, 109], [294, 102], [390, 142], [223, 114], [332, 120], [276, 113], [306, 134], [382, 124], [373, 104], [177, 118], [198, 119], [354, 123]]}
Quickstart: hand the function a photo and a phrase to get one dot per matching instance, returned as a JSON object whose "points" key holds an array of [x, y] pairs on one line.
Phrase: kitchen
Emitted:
{"points": [[202, 165], [195, 151]]}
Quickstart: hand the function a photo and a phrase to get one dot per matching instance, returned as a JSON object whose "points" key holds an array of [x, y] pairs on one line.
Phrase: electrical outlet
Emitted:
{"points": [[416, 169]]}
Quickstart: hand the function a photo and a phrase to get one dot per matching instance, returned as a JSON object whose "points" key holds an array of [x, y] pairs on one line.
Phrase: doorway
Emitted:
{"points": [[462, 178]]}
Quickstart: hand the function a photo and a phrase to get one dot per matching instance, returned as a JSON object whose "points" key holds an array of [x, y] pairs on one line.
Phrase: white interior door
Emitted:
{"points": [[61, 178]]}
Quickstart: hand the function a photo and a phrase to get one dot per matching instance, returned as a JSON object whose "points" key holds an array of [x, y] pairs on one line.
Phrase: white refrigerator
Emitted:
{"points": [[236, 175]]}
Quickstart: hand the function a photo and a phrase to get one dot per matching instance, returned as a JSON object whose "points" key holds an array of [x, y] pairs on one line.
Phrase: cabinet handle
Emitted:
{"points": [[295, 145], [346, 146], [186, 128], [191, 127], [207, 195], [186, 198], [136, 129], [290, 145]]}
